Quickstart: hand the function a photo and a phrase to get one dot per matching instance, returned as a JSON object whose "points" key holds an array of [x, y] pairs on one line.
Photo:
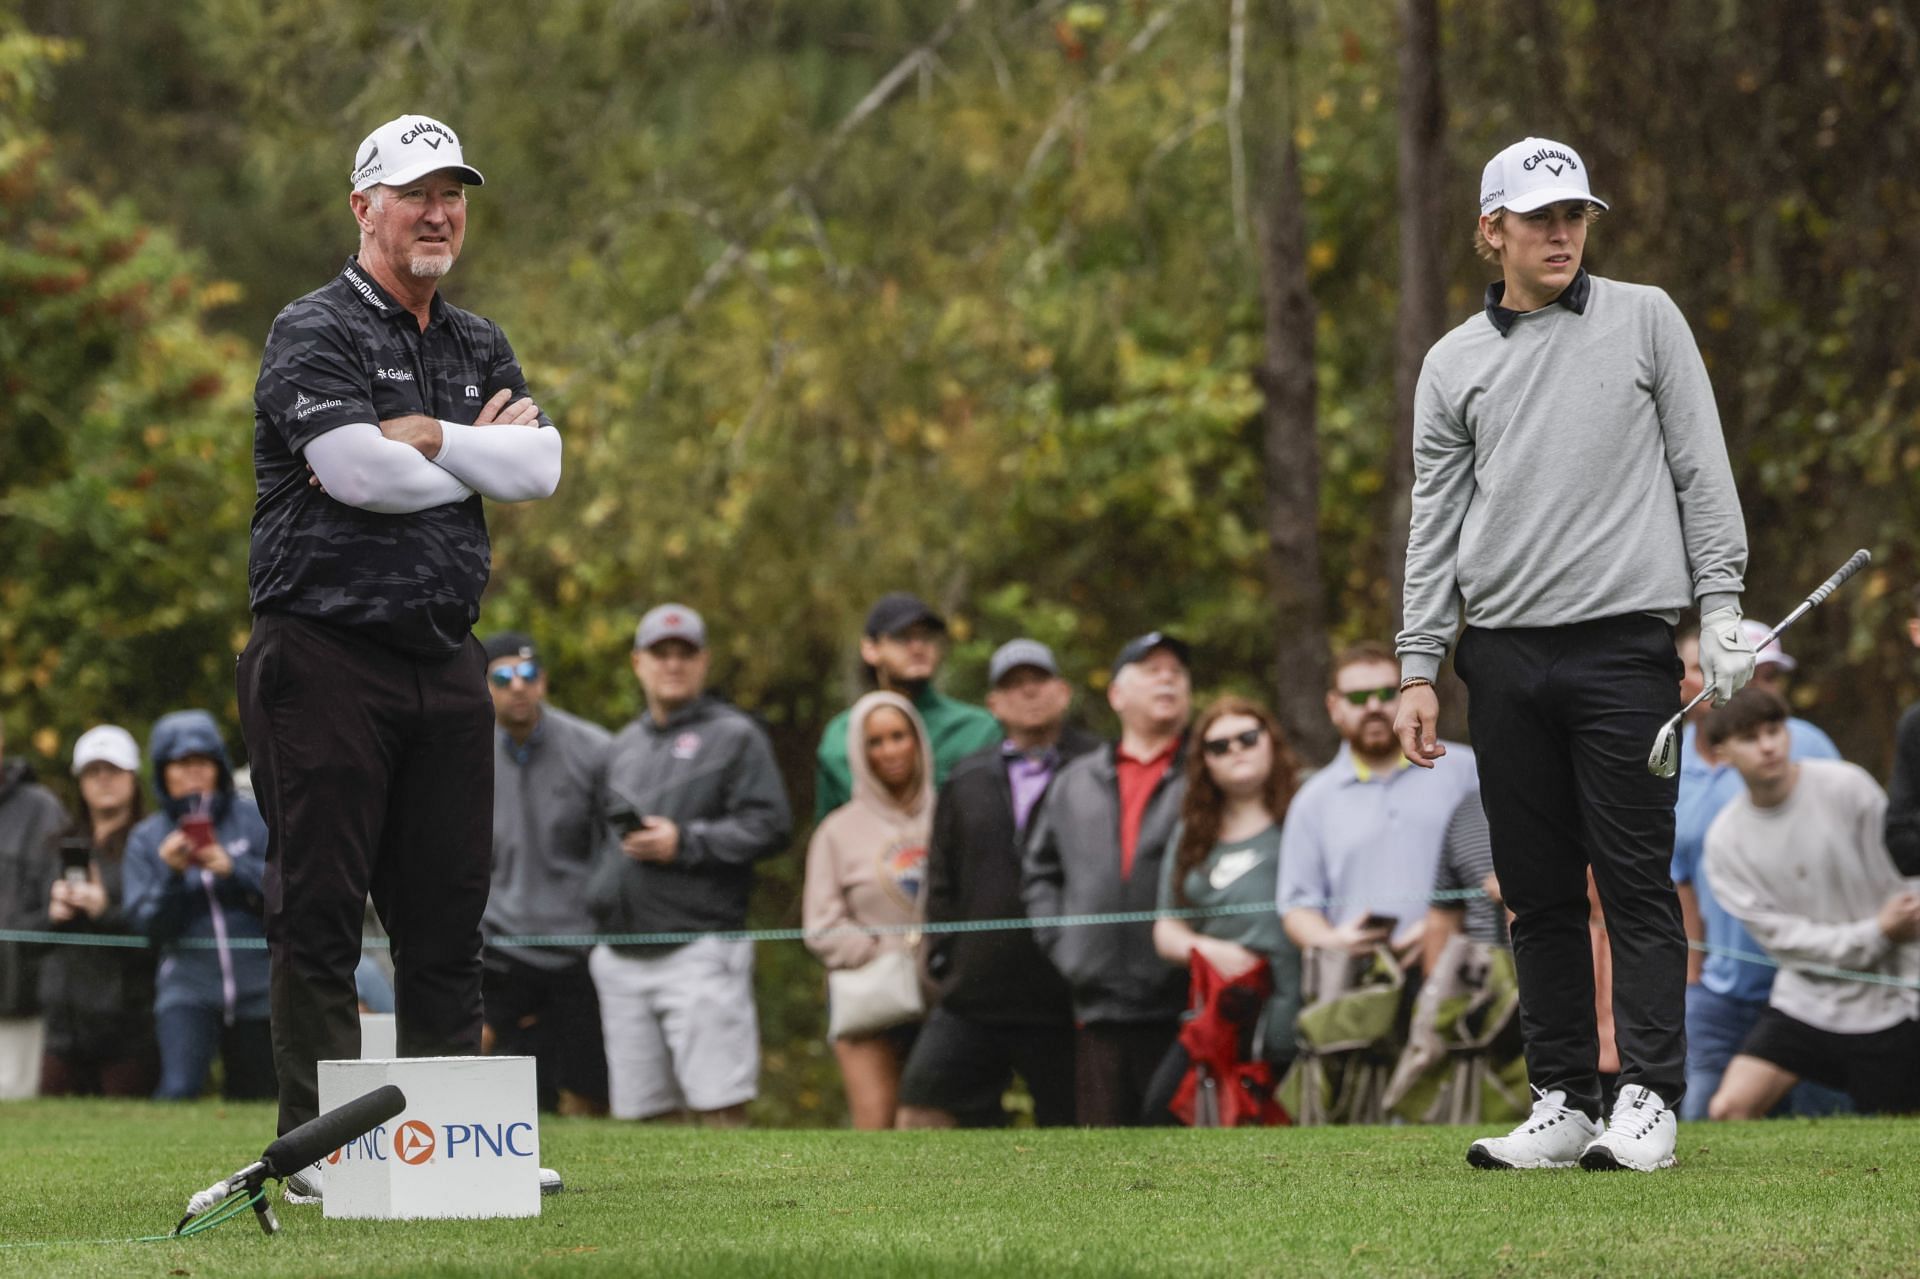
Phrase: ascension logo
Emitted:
{"points": [[305, 407], [1546, 156], [414, 1142], [424, 129]]}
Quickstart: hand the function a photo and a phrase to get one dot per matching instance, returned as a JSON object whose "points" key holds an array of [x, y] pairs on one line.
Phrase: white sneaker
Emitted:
{"points": [[303, 1187], [1553, 1136], [1639, 1136]]}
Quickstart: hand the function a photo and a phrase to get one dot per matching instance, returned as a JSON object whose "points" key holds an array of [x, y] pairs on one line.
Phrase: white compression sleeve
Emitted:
{"points": [[361, 467], [505, 463]]}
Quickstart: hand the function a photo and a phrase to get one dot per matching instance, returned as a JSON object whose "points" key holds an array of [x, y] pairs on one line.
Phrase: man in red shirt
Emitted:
{"points": [[1127, 1001]]}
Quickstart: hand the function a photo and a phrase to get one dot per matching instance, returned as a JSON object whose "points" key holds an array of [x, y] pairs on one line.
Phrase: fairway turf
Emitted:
{"points": [[1837, 1196]]}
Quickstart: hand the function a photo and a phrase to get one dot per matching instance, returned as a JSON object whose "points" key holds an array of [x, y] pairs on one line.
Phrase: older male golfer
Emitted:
{"points": [[382, 417], [1572, 491]]}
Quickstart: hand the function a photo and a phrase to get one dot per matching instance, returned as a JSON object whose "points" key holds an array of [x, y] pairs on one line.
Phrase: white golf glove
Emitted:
{"points": [[1726, 656]]}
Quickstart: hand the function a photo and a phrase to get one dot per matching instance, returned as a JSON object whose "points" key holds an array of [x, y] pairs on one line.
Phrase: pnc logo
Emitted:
{"points": [[413, 1142]]}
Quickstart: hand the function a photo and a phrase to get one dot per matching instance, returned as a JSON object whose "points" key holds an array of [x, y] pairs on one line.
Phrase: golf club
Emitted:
{"points": [[1664, 759]]}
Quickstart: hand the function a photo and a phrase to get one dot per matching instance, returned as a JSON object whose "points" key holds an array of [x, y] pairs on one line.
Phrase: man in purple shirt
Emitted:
{"points": [[1000, 1008]]}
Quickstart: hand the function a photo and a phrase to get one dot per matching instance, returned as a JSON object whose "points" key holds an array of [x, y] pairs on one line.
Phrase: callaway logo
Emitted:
{"points": [[1547, 156], [394, 375], [303, 407], [423, 130], [414, 1142], [364, 289]]}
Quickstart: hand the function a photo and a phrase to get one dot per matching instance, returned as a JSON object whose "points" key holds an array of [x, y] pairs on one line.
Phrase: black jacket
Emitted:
{"points": [[973, 872], [1903, 796], [1072, 867], [30, 819], [98, 999]]}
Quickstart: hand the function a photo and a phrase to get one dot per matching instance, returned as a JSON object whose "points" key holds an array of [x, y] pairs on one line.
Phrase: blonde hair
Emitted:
{"points": [[1487, 253]]}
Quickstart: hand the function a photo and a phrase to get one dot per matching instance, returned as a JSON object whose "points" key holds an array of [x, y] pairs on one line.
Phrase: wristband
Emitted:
{"points": [[1414, 681]]}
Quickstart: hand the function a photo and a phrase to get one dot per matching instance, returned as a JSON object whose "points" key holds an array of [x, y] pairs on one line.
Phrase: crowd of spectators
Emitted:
{"points": [[629, 856]]}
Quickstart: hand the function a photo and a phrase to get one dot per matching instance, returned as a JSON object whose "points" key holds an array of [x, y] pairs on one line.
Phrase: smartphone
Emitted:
{"points": [[198, 828], [1380, 923], [76, 857], [625, 820]]}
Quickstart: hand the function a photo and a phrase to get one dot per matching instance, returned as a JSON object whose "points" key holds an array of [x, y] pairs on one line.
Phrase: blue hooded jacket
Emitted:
{"points": [[169, 905]]}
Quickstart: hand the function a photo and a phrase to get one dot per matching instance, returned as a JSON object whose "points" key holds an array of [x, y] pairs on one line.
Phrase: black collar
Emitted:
{"points": [[361, 283], [1573, 297]]}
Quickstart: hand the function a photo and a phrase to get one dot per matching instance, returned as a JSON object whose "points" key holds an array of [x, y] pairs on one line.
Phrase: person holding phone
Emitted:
{"points": [[693, 802], [98, 999], [194, 870], [1363, 838]]}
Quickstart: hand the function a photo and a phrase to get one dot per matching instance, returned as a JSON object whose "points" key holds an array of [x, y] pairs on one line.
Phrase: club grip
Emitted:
{"points": [[1861, 558]]}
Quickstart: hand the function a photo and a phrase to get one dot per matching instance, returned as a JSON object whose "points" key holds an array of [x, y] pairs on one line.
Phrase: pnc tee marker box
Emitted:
{"points": [[467, 1145]]}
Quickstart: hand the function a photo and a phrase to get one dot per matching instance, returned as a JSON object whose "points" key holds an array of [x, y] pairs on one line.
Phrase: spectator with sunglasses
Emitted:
{"points": [[1362, 840], [548, 770], [1226, 853]]}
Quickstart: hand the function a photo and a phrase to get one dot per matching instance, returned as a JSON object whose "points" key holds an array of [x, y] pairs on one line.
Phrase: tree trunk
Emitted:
{"points": [[1291, 447], [1422, 318]]}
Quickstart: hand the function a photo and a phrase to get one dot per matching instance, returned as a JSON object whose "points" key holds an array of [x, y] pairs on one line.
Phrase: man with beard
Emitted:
{"points": [[1362, 839], [382, 417]]}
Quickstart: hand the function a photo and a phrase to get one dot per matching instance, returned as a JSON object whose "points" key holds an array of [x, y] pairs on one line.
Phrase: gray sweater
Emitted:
{"points": [[546, 829], [1570, 470]]}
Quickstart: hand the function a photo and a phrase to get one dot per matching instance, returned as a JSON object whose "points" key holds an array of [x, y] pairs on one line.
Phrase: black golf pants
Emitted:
{"points": [[374, 769], [1562, 720]]}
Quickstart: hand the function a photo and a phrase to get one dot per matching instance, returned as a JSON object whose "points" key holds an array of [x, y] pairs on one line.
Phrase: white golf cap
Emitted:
{"points": [[1534, 172], [409, 147], [106, 744], [670, 622], [1772, 654]]}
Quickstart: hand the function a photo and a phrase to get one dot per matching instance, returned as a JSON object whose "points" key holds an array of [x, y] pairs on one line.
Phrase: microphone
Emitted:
{"points": [[307, 1144]]}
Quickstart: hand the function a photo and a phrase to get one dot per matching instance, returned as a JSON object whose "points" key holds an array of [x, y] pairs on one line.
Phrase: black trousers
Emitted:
{"points": [[553, 1016], [1562, 720], [1113, 1068], [374, 769]]}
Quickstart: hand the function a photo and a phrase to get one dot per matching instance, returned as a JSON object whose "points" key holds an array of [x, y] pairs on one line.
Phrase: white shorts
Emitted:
{"points": [[681, 1029], [22, 1040]]}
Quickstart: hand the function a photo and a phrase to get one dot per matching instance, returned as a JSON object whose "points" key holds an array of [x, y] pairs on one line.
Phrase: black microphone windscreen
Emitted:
{"points": [[318, 1138]]}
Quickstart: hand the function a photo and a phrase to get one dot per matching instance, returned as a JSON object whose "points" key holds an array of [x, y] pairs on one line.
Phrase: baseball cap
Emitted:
{"points": [[670, 621], [1534, 172], [895, 612], [1016, 653], [408, 147], [1140, 646], [1773, 654], [508, 644], [106, 744]]}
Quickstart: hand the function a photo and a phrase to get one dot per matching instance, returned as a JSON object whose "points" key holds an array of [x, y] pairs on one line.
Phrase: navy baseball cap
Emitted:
{"points": [[508, 644], [894, 613], [1140, 646]]}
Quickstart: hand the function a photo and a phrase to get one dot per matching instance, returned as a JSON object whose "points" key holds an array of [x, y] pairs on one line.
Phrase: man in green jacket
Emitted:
{"points": [[902, 647]]}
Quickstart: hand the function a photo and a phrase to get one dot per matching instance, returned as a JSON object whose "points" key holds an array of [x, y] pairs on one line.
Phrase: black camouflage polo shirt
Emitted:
{"points": [[348, 352]]}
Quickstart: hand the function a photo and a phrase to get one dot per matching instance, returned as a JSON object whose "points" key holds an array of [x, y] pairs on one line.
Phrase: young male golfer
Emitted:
{"points": [[1572, 495]]}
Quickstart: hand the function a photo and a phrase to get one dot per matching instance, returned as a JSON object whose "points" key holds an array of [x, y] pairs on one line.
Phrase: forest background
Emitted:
{"points": [[1078, 319]]}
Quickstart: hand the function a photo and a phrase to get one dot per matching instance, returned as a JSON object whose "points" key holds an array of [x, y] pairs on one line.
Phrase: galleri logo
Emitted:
{"points": [[414, 1142]]}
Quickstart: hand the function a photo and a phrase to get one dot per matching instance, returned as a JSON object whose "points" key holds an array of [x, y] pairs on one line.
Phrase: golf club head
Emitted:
{"points": [[1664, 759]]}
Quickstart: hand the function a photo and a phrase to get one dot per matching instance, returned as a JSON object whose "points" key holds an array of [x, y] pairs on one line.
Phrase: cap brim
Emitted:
{"points": [[1550, 195], [466, 173]]}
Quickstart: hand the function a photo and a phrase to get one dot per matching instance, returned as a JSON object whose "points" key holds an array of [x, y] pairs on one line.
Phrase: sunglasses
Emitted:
{"points": [[1361, 696], [1220, 747], [504, 676]]}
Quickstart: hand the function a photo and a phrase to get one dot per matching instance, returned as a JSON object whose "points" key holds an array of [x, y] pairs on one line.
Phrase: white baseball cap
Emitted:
{"points": [[408, 147], [1772, 654], [1534, 172], [108, 744]]}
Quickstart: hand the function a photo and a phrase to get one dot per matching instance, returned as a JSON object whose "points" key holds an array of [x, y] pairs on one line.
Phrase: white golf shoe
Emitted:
{"points": [[1639, 1136], [1553, 1136], [303, 1187]]}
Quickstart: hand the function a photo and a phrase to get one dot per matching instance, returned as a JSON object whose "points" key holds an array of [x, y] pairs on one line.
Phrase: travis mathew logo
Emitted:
{"points": [[364, 289], [414, 1142], [1546, 156], [424, 131]]}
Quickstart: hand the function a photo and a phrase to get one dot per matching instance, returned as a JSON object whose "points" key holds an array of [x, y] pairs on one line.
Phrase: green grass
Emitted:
{"points": [[1782, 1198]]}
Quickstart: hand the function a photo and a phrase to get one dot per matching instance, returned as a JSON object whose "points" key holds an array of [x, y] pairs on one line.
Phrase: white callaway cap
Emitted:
{"points": [[108, 744], [406, 148], [1534, 172]]}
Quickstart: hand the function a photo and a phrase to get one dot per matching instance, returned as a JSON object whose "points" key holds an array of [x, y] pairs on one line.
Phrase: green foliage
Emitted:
{"points": [[122, 507]]}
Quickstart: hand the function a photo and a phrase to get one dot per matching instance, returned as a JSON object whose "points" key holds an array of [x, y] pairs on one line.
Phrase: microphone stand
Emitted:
{"points": [[256, 1185]]}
